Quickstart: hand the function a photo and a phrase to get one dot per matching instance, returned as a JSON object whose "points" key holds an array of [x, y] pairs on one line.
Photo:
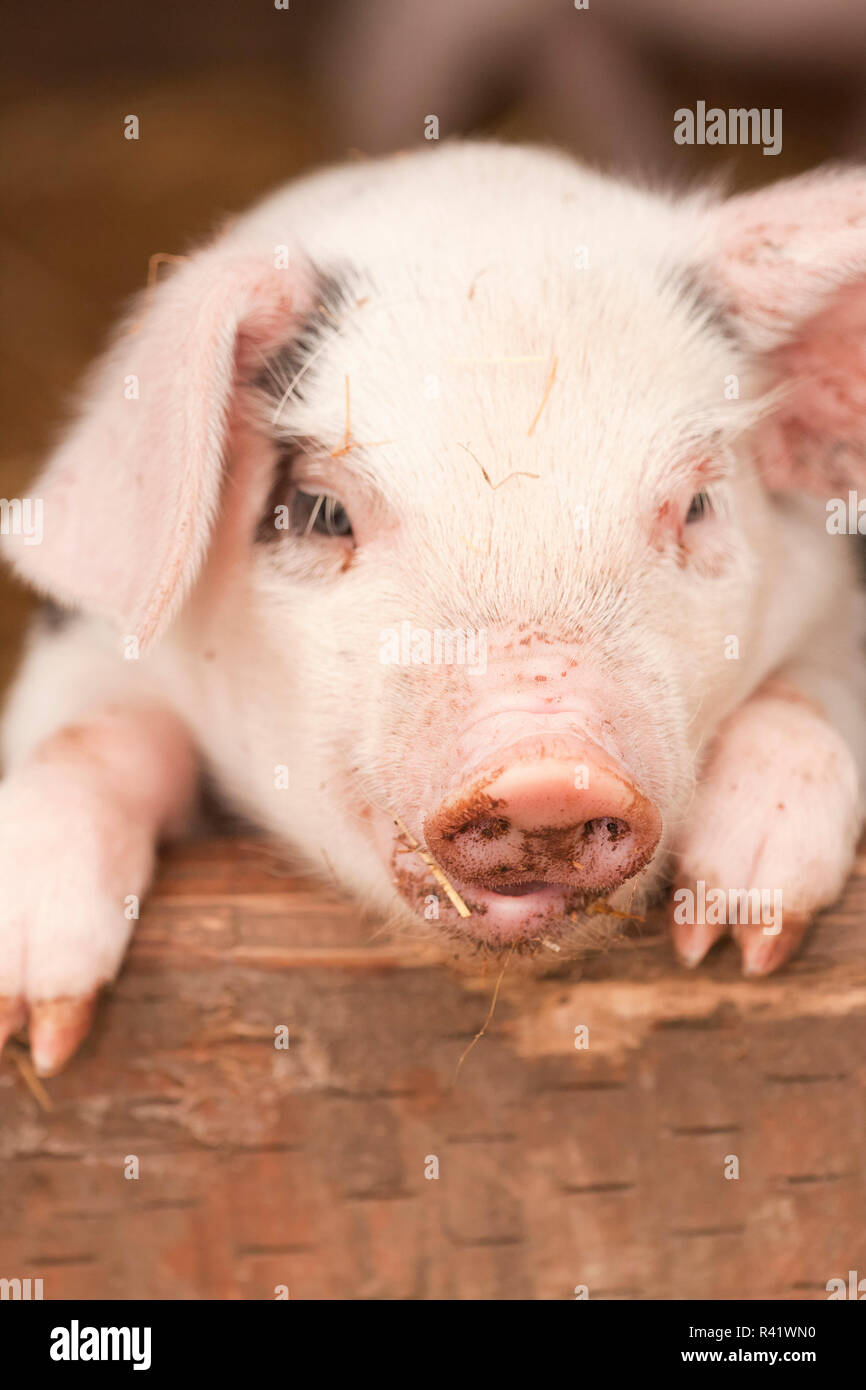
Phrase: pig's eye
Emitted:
{"points": [[699, 506], [319, 514]]}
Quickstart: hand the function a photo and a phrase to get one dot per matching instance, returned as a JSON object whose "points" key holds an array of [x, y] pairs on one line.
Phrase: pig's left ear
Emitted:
{"points": [[130, 496], [789, 264]]}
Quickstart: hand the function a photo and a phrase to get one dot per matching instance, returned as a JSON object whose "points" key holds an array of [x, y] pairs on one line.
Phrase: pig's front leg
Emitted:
{"points": [[778, 810], [80, 817]]}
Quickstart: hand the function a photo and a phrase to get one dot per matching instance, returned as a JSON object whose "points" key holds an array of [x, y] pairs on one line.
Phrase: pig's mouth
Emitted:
{"points": [[522, 890], [522, 913], [525, 911]]}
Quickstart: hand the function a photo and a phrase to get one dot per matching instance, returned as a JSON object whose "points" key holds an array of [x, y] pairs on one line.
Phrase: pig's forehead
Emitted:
{"points": [[534, 343], [542, 321], [537, 375]]}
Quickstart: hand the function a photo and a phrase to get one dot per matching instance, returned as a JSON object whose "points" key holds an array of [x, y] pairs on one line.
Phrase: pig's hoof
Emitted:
{"points": [[66, 872], [771, 834], [765, 940], [57, 1028]]}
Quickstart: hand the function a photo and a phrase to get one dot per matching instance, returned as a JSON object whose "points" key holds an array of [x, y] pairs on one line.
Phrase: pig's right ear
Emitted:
{"points": [[130, 497], [789, 266]]}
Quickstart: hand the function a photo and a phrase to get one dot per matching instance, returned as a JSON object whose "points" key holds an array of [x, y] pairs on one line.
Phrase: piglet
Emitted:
{"points": [[464, 516]]}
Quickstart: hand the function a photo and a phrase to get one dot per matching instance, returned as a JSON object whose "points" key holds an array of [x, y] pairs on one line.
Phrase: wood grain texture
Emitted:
{"points": [[557, 1167]]}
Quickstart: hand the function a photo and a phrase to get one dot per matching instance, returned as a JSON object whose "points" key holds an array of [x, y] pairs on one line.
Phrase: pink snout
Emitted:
{"points": [[544, 830]]}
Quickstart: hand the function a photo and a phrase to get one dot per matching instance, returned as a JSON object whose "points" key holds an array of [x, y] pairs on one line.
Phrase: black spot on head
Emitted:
{"points": [[52, 618], [284, 378], [334, 294], [705, 302]]}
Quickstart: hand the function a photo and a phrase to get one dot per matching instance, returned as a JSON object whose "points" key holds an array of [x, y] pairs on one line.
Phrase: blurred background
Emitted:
{"points": [[232, 99]]}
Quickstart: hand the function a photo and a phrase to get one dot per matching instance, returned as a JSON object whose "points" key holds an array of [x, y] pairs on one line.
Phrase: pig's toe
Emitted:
{"points": [[693, 940], [57, 1028], [764, 952]]}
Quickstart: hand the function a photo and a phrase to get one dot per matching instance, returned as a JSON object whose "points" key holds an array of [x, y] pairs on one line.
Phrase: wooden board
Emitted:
{"points": [[558, 1166]]}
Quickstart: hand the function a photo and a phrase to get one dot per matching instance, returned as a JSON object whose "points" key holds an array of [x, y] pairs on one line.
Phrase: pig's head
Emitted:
{"points": [[480, 482]]}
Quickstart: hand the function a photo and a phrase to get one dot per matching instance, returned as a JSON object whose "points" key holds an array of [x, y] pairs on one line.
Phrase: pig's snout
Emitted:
{"points": [[542, 833]]}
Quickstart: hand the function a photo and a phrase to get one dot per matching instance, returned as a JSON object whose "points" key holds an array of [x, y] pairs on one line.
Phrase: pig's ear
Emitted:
{"points": [[130, 497], [790, 265]]}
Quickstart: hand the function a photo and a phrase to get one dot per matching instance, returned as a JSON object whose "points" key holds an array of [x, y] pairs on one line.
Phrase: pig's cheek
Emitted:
{"points": [[778, 815]]}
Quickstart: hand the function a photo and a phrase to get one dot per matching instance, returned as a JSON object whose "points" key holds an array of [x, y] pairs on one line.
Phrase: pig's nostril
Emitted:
{"points": [[608, 826]]}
